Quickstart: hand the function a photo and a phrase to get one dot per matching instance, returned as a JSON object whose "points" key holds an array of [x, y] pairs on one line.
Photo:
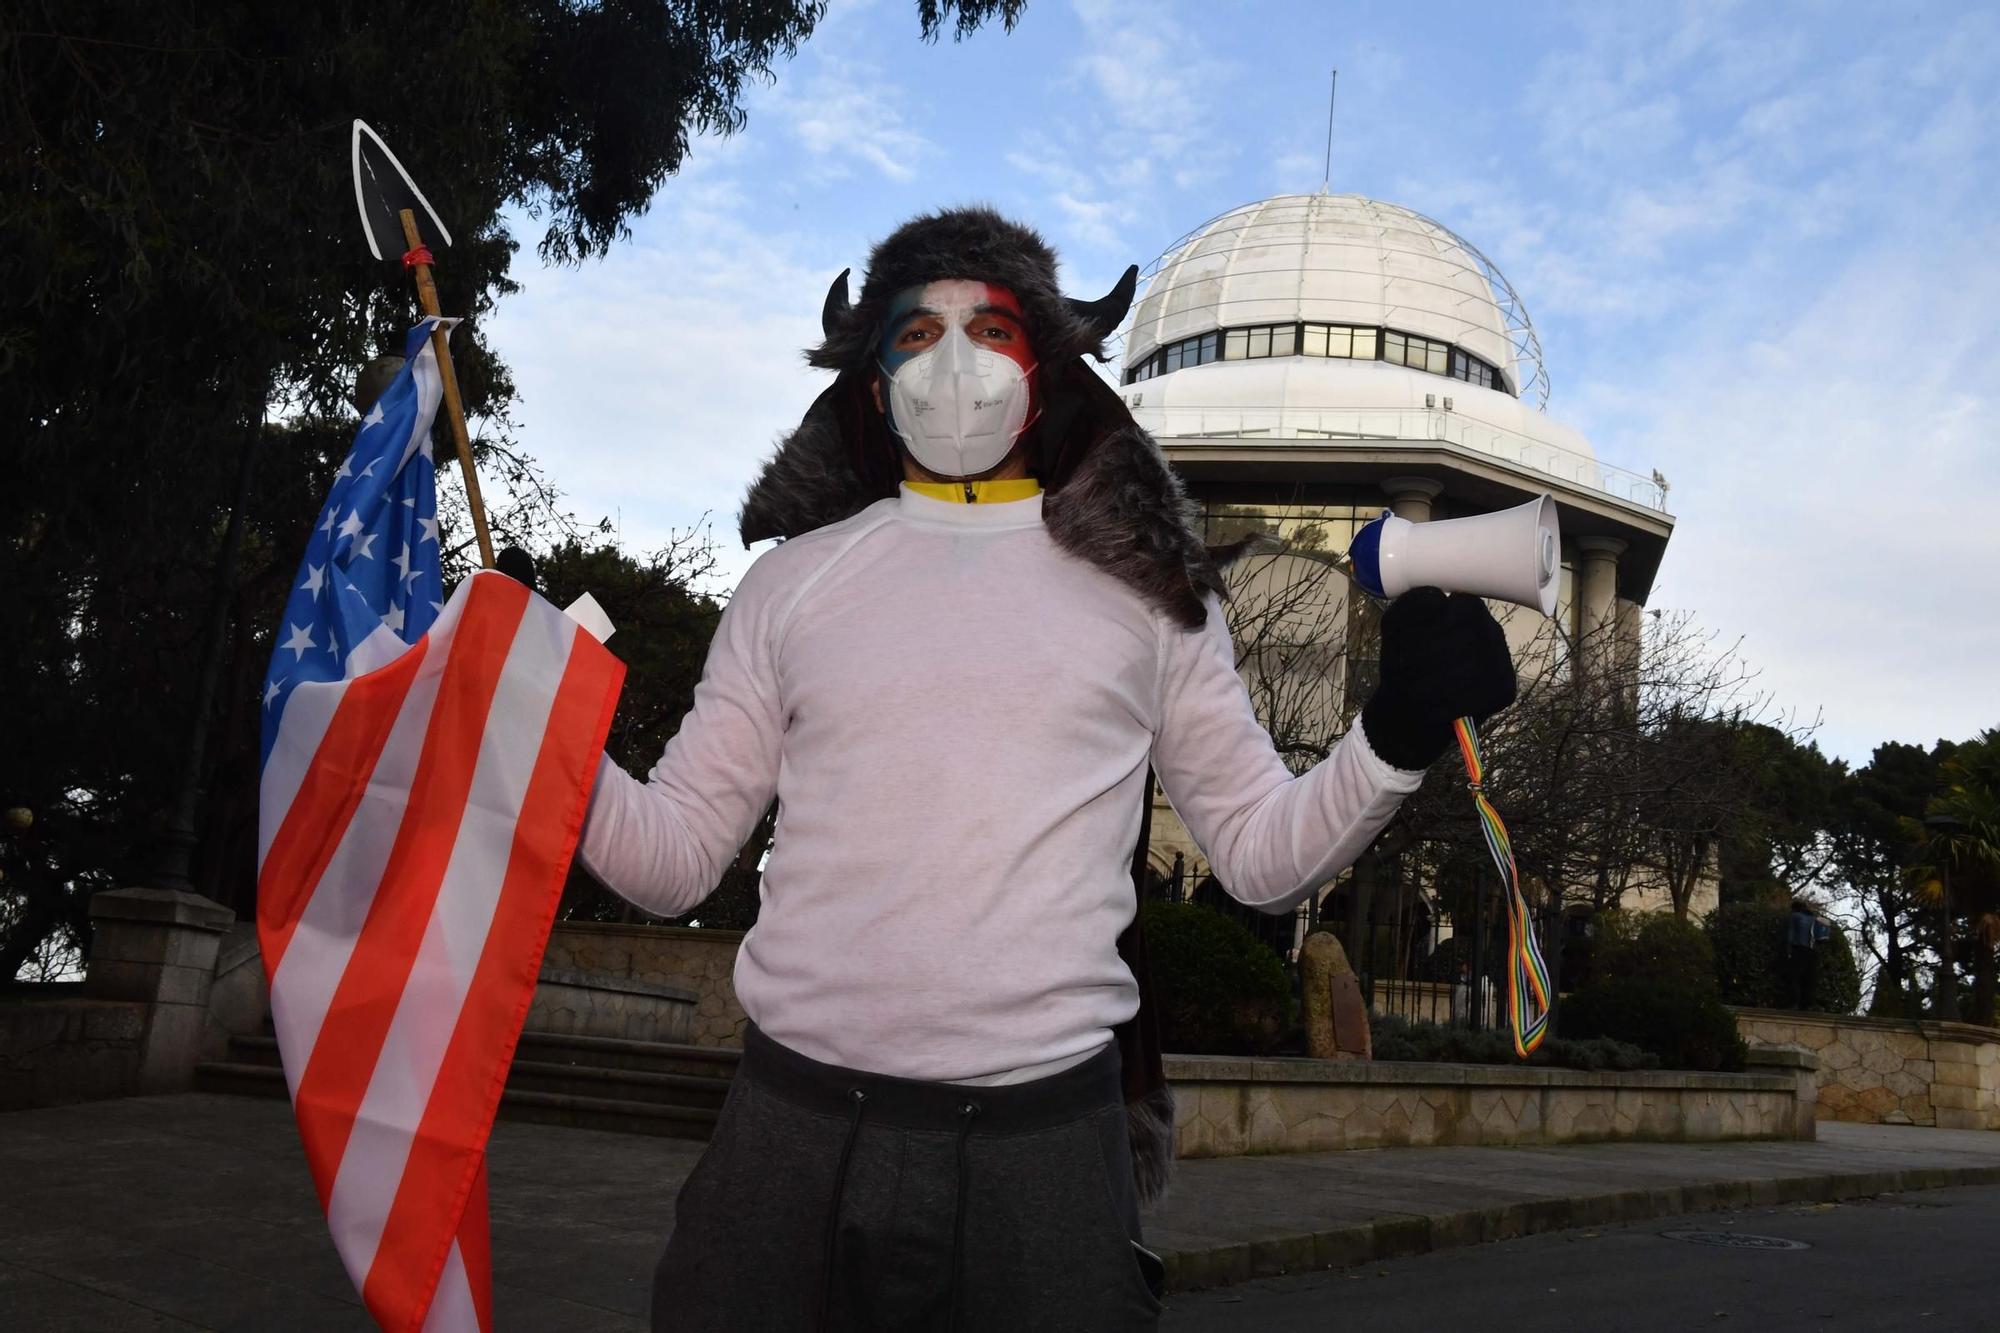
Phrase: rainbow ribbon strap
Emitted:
{"points": [[1527, 975]]}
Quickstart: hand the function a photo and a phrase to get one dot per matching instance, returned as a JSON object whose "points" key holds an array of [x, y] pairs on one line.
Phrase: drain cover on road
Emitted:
{"points": [[1737, 1240]]}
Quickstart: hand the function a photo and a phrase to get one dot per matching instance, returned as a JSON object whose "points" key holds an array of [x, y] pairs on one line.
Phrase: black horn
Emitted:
{"points": [[834, 313], [1107, 311]]}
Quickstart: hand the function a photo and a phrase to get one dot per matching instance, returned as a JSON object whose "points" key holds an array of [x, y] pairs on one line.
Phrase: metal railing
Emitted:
{"points": [[1412, 959], [1432, 969], [1456, 429]]}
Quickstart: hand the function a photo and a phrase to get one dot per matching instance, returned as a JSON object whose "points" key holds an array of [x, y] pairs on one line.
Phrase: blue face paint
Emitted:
{"points": [[886, 354], [981, 320]]}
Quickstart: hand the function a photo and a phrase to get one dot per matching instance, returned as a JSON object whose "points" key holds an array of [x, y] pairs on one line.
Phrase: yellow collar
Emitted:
{"points": [[998, 491]]}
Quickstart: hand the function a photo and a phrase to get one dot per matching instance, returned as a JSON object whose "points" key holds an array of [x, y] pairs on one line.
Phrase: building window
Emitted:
{"points": [[1302, 527], [1177, 355], [1260, 341], [1343, 341], [1471, 369], [1407, 349]]}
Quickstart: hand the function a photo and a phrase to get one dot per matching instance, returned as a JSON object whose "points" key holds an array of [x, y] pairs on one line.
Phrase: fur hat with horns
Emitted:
{"points": [[1110, 498]]}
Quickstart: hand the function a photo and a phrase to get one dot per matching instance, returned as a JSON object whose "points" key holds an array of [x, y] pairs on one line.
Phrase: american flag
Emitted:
{"points": [[371, 571], [426, 769]]}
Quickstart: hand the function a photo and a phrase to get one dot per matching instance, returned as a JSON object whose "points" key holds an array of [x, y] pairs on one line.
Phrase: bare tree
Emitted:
{"points": [[1289, 615], [1617, 768]]}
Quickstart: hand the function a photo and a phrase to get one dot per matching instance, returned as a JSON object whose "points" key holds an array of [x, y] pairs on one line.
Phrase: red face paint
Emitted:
{"points": [[990, 314]]}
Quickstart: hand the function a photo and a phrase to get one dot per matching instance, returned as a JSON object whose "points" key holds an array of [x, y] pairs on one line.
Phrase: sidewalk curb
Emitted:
{"points": [[1401, 1235]]}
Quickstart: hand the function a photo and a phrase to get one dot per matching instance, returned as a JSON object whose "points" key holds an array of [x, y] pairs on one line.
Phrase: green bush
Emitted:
{"points": [[1837, 987], [1686, 1027], [1749, 942], [1221, 991], [1651, 946], [1395, 1038]]}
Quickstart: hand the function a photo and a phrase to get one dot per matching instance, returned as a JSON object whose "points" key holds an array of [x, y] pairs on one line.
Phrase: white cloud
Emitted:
{"points": [[1144, 63], [1113, 159], [1766, 269], [1838, 492], [1036, 156], [1092, 221], [653, 383], [845, 111]]}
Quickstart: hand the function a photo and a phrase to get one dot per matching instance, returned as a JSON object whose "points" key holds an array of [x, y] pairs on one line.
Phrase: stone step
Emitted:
{"points": [[618, 1114], [609, 1113], [639, 1085], [554, 1048], [658, 1057], [261, 1050], [247, 1080]]}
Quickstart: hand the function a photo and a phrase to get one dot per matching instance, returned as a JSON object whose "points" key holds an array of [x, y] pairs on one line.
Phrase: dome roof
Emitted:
{"points": [[1340, 259]]}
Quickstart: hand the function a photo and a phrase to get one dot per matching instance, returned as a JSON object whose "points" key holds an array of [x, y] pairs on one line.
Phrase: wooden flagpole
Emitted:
{"points": [[454, 407]]}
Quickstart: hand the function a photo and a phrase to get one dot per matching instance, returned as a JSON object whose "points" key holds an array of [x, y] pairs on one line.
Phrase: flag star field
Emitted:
{"points": [[384, 498]]}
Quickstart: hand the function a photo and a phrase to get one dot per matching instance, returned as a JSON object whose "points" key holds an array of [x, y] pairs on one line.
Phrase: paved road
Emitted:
{"points": [[195, 1212], [1921, 1261]]}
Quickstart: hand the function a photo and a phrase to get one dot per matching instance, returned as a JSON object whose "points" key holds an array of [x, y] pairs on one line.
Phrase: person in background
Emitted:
{"points": [[1803, 932]]}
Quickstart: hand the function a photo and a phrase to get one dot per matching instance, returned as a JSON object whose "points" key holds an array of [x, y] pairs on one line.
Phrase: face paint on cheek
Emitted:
{"points": [[1018, 349], [956, 375], [1015, 348], [989, 314], [888, 354]]}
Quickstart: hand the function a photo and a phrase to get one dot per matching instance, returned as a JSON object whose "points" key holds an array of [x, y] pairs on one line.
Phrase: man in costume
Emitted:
{"points": [[989, 617]]}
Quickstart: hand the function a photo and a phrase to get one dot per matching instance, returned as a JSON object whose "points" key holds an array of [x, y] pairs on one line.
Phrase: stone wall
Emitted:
{"points": [[587, 1004], [56, 1048], [159, 948], [1227, 1107], [701, 961], [239, 1000], [1891, 1071]]}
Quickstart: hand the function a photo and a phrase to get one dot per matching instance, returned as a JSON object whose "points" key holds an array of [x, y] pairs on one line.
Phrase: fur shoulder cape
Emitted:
{"points": [[1110, 498]]}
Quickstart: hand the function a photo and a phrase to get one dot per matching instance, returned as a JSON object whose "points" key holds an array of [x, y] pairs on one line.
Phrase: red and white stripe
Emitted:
{"points": [[416, 827]]}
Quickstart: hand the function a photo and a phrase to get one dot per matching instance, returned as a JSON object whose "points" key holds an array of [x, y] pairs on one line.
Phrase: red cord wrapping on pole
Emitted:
{"points": [[420, 255]]}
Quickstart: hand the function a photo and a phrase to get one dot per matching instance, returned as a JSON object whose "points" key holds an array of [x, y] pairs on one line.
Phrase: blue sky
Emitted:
{"points": [[1758, 242]]}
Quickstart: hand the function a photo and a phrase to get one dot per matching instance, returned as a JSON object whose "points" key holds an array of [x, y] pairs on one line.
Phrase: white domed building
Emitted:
{"points": [[1334, 340], [1308, 360]]}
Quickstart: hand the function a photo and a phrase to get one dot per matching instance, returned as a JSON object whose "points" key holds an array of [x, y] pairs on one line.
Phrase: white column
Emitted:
{"points": [[1597, 590], [1410, 497]]}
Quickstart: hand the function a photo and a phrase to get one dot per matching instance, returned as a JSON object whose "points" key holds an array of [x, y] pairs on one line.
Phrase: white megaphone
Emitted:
{"points": [[1514, 555]]}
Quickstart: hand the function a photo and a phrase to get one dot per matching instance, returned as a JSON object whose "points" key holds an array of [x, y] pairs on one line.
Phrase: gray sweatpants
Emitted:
{"points": [[835, 1199]]}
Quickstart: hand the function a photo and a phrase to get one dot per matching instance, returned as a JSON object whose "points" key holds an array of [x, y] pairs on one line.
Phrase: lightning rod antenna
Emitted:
{"points": [[1333, 86]]}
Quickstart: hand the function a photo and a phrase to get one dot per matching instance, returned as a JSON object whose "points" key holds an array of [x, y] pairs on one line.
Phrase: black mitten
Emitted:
{"points": [[1443, 658]]}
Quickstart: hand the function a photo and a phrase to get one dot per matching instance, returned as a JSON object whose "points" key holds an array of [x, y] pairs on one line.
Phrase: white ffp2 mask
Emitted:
{"points": [[959, 407]]}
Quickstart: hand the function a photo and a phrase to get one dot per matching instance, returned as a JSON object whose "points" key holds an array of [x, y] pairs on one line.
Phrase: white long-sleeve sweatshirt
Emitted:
{"points": [[956, 718]]}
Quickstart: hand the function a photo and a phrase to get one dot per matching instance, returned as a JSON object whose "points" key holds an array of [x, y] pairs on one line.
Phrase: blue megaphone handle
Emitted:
{"points": [[1365, 553]]}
